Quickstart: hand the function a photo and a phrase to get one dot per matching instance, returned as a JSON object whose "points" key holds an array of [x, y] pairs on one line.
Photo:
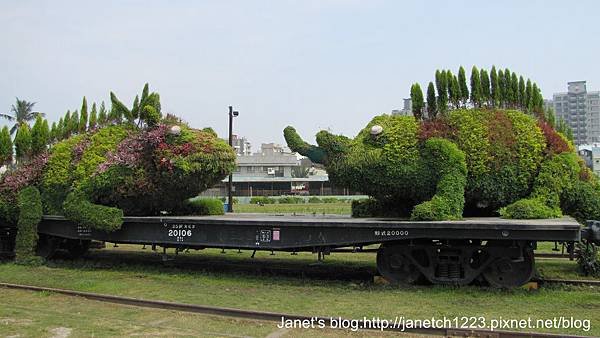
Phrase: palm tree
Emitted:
{"points": [[21, 113]]}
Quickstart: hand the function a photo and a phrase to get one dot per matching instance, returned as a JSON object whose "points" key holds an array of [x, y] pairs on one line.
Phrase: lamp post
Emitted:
{"points": [[232, 114]]}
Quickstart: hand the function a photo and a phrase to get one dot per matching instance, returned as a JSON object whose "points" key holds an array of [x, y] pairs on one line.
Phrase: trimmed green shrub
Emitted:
{"points": [[6, 147], [588, 261], [448, 161], [366, 208], [290, 200], [57, 177], [205, 206], [529, 208], [22, 142], [226, 199], [262, 200], [30, 215], [79, 209], [330, 200], [581, 201], [314, 199]]}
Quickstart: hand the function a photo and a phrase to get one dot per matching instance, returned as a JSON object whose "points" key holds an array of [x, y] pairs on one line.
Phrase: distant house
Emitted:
{"points": [[273, 171], [590, 153]]}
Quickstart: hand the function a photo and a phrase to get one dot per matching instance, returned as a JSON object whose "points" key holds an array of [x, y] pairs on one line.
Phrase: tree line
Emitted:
{"points": [[496, 89], [30, 141]]}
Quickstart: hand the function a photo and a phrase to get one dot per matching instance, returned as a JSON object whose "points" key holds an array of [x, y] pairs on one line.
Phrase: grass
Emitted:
{"points": [[32, 314], [306, 296], [301, 208], [39, 314]]}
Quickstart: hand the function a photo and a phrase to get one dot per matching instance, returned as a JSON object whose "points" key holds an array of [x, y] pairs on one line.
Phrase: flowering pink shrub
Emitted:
{"points": [[79, 148], [134, 147], [23, 176]]}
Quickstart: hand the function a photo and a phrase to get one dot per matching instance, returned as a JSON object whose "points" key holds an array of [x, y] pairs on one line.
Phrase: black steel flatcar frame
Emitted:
{"points": [[271, 232], [455, 252]]}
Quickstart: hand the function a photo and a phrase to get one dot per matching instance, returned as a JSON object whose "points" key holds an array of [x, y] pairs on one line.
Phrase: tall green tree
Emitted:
{"points": [[431, 101], [23, 142], [521, 92], [74, 123], [441, 81], [509, 95], [67, 125], [36, 136], [416, 96], [485, 86], [102, 116], [59, 130], [501, 89], [456, 89], [550, 117], [475, 87], [21, 113], [83, 119], [453, 93], [528, 96], [495, 95], [93, 117], [53, 132], [514, 87], [462, 82], [46, 133], [538, 100], [39, 136], [6, 147]]}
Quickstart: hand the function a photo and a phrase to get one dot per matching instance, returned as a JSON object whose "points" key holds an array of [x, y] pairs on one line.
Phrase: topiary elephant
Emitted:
{"points": [[123, 168], [470, 162]]}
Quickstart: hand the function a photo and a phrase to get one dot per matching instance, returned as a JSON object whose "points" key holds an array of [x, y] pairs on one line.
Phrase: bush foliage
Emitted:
{"points": [[464, 162], [588, 261], [30, 214], [262, 200], [290, 200], [205, 206]]}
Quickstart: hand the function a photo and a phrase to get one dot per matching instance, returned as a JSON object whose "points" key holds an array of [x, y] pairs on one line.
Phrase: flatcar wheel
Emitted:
{"points": [[507, 273], [395, 266], [47, 246], [77, 248]]}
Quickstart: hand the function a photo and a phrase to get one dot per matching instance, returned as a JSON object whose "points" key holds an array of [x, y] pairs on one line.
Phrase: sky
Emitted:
{"points": [[312, 64]]}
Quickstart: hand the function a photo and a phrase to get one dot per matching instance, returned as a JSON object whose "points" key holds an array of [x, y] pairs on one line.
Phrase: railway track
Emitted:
{"points": [[287, 269], [271, 316], [576, 282]]}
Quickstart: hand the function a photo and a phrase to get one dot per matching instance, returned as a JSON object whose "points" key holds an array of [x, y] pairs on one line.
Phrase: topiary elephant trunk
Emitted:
{"points": [[329, 145], [297, 144]]}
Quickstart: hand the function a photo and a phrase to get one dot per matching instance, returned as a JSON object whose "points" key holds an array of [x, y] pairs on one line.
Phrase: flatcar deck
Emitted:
{"points": [[281, 232]]}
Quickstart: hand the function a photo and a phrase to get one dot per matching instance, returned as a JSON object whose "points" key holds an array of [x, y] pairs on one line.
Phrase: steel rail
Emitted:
{"points": [[269, 316], [581, 282]]}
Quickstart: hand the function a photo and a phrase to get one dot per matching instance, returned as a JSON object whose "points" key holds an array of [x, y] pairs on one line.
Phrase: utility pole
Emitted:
{"points": [[232, 114]]}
